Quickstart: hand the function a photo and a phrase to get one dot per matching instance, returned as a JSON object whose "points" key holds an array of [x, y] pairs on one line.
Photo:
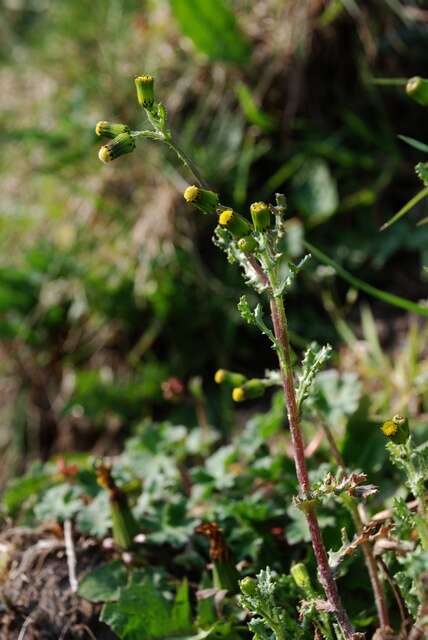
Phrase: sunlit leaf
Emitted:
{"points": [[212, 28]]}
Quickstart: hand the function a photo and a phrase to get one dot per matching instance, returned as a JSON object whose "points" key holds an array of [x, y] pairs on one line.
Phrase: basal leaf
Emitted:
{"points": [[104, 583], [141, 612]]}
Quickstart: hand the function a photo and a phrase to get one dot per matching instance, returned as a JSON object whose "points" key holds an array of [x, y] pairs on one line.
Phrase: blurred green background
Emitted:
{"points": [[110, 286]]}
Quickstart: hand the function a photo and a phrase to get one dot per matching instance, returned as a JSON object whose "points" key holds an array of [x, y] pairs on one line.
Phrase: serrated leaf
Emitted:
{"points": [[104, 583], [212, 28], [422, 172], [95, 518], [141, 613], [336, 396]]}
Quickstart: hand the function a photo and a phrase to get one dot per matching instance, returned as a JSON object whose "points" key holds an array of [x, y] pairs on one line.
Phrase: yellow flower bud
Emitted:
{"points": [[251, 389], [206, 201], [236, 224], [238, 394], [396, 429], [301, 577], [229, 377], [247, 244], [121, 144], [417, 89], [389, 428], [219, 376], [145, 91], [260, 214], [110, 129], [191, 194]]}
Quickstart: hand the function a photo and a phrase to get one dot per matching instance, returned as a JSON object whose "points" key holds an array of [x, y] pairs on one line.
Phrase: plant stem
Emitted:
{"points": [[371, 564], [187, 162], [279, 321]]}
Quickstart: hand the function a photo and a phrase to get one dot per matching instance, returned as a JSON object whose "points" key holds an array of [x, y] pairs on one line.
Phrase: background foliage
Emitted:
{"points": [[107, 283]]}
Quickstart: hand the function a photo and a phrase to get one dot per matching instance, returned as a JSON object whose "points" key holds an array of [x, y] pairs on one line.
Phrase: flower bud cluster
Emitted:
{"points": [[242, 387]]}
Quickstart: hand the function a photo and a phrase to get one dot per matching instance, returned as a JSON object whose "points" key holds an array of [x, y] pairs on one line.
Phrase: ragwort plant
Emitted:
{"points": [[256, 245]]}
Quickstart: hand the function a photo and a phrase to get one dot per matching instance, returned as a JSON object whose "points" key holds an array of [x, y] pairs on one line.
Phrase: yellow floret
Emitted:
{"points": [[104, 154], [219, 376], [389, 428], [99, 127], [257, 207], [238, 394], [225, 217], [192, 193]]}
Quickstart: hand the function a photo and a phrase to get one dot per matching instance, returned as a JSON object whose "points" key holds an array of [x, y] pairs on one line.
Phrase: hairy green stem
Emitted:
{"points": [[280, 325]]}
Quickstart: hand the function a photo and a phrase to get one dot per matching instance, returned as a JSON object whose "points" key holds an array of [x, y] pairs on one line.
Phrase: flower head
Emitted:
{"points": [[236, 224], [145, 91], [260, 214], [396, 429], [205, 200], [121, 144], [238, 394], [111, 129]]}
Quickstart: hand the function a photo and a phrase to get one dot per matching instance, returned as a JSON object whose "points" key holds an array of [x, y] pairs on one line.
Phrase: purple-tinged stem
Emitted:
{"points": [[280, 326]]}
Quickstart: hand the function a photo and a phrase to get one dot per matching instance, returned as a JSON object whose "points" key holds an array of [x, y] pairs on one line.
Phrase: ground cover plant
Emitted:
{"points": [[177, 497]]}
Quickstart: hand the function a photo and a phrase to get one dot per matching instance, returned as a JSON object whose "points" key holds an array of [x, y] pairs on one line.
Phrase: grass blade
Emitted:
{"points": [[389, 298], [406, 208], [416, 144]]}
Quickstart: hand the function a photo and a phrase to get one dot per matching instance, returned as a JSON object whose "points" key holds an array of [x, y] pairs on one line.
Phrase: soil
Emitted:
{"points": [[37, 602]]}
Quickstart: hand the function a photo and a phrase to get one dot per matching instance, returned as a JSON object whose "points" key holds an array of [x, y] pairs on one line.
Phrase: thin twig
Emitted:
{"points": [[359, 520], [404, 614], [71, 556], [28, 620]]}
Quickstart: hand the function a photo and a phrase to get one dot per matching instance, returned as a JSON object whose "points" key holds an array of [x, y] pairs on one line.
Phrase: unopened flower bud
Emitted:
{"points": [[206, 201], [247, 244], [111, 129], [121, 144], [251, 389], [145, 91], [229, 377], [260, 214], [235, 223], [248, 586], [301, 577], [238, 394], [417, 89], [396, 429]]}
